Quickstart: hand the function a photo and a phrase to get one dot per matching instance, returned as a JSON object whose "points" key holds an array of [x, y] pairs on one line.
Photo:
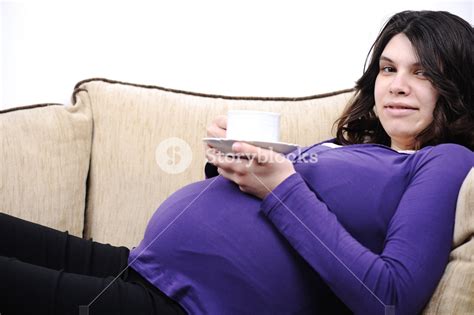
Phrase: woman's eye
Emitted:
{"points": [[387, 69], [420, 72]]}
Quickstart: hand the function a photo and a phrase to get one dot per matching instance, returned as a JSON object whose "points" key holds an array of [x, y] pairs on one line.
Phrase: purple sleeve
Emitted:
{"points": [[403, 277]]}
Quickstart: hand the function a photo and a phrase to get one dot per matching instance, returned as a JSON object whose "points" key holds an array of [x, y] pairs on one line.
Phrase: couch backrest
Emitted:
{"points": [[126, 183]]}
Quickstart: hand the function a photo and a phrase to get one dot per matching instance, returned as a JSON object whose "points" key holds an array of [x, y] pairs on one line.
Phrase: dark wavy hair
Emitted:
{"points": [[443, 43]]}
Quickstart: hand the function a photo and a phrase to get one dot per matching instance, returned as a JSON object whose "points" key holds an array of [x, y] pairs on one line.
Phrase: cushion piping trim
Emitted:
{"points": [[17, 108], [79, 87]]}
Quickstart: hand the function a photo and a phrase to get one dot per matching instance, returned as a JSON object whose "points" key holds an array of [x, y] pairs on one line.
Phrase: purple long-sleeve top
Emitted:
{"points": [[359, 228]]}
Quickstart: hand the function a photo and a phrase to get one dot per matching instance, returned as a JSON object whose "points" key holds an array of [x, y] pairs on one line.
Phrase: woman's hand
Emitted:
{"points": [[218, 127], [256, 171]]}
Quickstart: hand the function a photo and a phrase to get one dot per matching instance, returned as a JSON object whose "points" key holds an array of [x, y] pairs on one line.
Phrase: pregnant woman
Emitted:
{"points": [[365, 228]]}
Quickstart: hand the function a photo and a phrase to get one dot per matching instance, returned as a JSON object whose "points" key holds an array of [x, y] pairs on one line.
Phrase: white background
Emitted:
{"points": [[241, 48]]}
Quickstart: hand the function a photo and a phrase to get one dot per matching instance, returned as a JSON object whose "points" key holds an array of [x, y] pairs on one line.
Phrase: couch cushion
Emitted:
{"points": [[129, 178], [455, 292], [44, 161]]}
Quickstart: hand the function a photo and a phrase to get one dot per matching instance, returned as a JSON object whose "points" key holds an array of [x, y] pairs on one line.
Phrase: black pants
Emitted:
{"points": [[44, 271]]}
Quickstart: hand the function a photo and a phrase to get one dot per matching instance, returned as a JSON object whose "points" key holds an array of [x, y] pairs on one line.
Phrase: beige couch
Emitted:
{"points": [[95, 168]]}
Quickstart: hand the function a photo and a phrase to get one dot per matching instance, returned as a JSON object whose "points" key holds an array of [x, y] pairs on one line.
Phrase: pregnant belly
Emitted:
{"points": [[210, 248]]}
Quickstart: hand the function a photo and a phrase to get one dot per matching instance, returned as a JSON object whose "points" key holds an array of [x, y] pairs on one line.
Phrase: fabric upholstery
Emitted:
{"points": [[44, 162]]}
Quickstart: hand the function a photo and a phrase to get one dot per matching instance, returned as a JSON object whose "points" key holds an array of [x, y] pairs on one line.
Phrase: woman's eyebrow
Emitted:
{"points": [[385, 58]]}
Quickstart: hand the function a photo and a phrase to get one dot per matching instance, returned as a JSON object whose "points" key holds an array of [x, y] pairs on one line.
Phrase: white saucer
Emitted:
{"points": [[225, 145]]}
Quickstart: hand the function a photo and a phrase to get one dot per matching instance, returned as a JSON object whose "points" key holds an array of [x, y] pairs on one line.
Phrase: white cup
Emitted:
{"points": [[251, 125]]}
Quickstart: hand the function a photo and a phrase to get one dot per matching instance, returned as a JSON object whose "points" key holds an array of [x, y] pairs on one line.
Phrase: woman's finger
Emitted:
{"points": [[214, 131], [221, 121], [217, 129], [256, 154]]}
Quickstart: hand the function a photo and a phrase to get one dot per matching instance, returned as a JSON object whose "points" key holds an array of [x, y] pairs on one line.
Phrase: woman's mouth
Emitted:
{"points": [[399, 109]]}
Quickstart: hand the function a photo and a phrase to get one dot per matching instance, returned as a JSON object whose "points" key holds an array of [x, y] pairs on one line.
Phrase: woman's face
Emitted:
{"points": [[404, 98]]}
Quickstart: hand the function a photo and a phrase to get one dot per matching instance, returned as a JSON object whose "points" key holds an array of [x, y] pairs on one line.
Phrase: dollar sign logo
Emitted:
{"points": [[173, 155]]}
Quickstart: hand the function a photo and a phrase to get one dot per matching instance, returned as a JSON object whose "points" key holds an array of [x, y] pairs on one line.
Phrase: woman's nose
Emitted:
{"points": [[400, 84]]}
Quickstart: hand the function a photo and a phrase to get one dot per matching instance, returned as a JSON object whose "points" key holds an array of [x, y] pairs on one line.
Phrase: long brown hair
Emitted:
{"points": [[444, 45]]}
